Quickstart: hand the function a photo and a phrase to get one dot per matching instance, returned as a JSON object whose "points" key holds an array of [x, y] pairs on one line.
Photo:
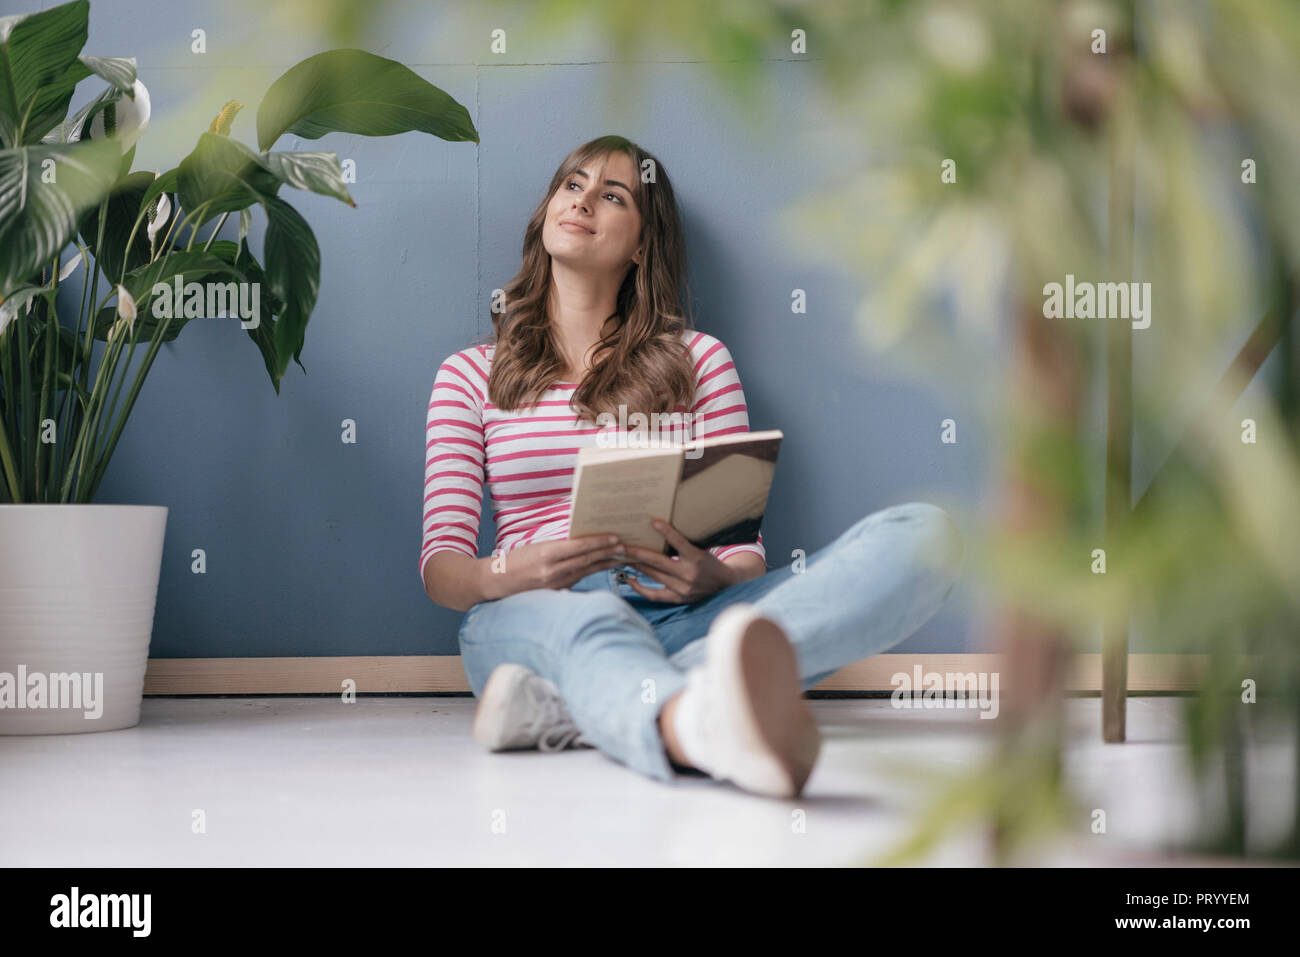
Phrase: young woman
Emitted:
{"points": [[694, 663]]}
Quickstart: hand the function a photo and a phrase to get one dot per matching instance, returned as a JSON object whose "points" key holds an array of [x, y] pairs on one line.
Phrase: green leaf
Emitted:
{"points": [[67, 382], [14, 306], [352, 91], [165, 183], [39, 69], [124, 205], [293, 272], [74, 128], [38, 218], [124, 167], [224, 249], [315, 172], [142, 284], [225, 174], [239, 257], [264, 335], [119, 71], [38, 321]]}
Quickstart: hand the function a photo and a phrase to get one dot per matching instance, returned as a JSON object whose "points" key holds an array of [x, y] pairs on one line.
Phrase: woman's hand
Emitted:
{"points": [[550, 564], [694, 574]]}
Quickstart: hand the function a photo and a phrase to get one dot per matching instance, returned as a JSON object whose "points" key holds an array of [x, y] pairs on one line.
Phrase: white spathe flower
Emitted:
{"points": [[125, 304], [69, 266], [161, 214], [131, 118]]}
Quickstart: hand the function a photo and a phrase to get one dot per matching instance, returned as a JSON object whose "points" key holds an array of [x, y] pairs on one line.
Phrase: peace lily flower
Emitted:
{"points": [[158, 217], [127, 118], [125, 310], [69, 266]]}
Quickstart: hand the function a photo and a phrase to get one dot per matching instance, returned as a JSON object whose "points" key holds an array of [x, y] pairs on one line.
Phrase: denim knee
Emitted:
{"points": [[937, 540], [539, 627], [593, 618], [940, 543]]}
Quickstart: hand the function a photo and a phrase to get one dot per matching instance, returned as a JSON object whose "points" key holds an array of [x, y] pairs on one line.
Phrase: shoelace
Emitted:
{"points": [[555, 728], [560, 737]]}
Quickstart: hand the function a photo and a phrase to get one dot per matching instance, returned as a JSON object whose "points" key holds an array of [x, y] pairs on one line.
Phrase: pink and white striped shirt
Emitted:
{"points": [[527, 456]]}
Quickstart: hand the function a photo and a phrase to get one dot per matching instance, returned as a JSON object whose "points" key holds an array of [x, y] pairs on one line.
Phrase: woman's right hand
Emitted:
{"points": [[550, 564]]}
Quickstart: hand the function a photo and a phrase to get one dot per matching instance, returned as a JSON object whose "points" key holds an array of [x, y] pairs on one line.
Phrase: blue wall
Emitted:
{"points": [[312, 545]]}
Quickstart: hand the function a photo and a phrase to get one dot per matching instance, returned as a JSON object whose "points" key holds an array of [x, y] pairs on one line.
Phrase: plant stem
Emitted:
{"points": [[61, 457], [51, 349], [102, 465], [168, 235], [135, 228], [10, 425], [108, 359], [112, 405], [221, 222], [6, 454], [94, 288], [24, 401], [86, 440]]}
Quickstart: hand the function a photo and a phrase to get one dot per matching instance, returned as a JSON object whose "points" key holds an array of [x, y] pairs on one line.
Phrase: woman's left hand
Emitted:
{"points": [[693, 574]]}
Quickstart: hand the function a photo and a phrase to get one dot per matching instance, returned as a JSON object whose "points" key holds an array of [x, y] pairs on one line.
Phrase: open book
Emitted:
{"points": [[712, 490]]}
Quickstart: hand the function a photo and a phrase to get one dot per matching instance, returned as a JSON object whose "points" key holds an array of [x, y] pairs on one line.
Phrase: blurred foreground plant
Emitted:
{"points": [[1012, 143]]}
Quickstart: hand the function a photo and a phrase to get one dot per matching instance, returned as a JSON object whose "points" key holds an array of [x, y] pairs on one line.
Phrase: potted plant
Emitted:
{"points": [[78, 581]]}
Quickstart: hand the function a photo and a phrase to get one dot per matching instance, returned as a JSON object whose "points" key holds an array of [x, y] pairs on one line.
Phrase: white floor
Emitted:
{"points": [[399, 781]]}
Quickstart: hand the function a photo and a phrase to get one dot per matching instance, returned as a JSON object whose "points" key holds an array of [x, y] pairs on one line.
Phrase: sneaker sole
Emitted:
{"points": [[769, 710], [493, 711]]}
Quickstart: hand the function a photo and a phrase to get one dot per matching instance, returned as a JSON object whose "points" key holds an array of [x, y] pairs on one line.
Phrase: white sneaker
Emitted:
{"points": [[742, 716], [521, 709]]}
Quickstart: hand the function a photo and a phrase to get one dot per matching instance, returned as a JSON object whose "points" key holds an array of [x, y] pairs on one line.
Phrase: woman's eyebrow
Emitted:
{"points": [[608, 182]]}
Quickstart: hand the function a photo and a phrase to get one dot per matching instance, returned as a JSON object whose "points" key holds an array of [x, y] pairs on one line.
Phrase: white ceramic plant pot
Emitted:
{"points": [[78, 585]]}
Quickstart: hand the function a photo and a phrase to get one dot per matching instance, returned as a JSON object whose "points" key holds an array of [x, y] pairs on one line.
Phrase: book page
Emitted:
{"points": [[621, 495]]}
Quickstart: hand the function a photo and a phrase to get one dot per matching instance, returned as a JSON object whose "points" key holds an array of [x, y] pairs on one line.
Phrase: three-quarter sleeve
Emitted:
{"points": [[454, 457], [721, 410]]}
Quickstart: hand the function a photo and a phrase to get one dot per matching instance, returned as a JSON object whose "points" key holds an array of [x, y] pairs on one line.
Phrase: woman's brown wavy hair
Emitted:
{"points": [[642, 362]]}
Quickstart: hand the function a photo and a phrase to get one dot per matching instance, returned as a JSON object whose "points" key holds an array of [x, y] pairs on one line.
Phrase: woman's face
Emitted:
{"points": [[601, 227]]}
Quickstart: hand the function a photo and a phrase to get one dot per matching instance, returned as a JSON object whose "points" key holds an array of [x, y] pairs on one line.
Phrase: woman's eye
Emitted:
{"points": [[618, 199]]}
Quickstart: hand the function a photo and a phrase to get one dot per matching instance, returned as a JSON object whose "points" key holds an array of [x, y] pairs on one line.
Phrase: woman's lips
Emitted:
{"points": [[574, 227]]}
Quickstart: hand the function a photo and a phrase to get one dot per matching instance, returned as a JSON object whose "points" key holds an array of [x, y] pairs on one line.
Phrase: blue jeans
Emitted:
{"points": [[617, 657]]}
